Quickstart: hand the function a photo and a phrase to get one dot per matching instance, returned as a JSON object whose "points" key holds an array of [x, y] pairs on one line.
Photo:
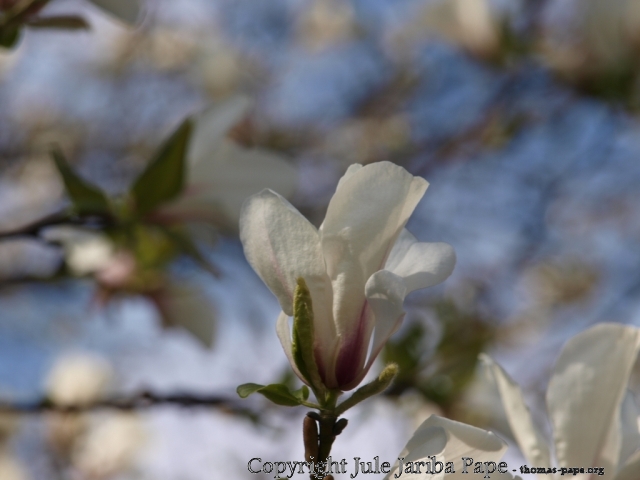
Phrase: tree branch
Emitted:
{"points": [[140, 401], [55, 219]]}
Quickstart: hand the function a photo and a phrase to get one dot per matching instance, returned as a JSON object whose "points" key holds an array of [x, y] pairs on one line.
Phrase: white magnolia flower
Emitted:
{"points": [[593, 415], [110, 446], [449, 441], [11, 469], [222, 174], [78, 379], [126, 10], [358, 266]]}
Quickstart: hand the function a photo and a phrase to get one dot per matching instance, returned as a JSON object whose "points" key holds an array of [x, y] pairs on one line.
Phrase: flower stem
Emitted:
{"points": [[319, 432]]}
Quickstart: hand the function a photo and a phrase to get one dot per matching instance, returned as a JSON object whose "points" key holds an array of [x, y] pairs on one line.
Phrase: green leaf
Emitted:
{"points": [[302, 346], [152, 246], [302, 394], [9, 35], [86, 197], [280, 395], [277, 393], [62, 22], [247, 389], [164, 177]]}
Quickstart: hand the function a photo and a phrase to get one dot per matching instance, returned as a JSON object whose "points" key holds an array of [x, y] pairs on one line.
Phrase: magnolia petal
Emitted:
{"points": [[531, 442], [421, 264], [385, 293], [353, 168], [221, 174], [630, 469], [586, 392], [188, 307], [467, 441], [212, 126], [219, 186], [242, 172], [126, 10], [282, 246], [283, 330], [629, 428], [461, 441], [365, 216], [426, 442]]}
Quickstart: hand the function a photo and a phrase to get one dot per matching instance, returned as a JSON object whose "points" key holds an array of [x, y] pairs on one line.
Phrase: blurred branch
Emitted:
{"points": [[140, 401], [56, 219], [22, 9]]}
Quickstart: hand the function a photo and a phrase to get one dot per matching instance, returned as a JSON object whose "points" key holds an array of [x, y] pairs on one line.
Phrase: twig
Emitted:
{"points": [[56, 219], [319, 432], [141, 401]]}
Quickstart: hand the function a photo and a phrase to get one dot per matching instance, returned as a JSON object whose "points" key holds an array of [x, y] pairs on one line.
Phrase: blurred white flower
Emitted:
{"points": [[604, 36], [117, 271], [10, 469], [449, 441], [218, 65], [593, 415], [358, 266], [126, 10], [109, 446], [222, 174], [86, 252], [188, 307], [78, 379], [472, 24], [327, 22]]}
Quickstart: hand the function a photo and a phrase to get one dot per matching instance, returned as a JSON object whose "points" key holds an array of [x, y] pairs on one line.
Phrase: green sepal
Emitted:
{"points": [[379, 385], [86, 197], [9, 35], [276, 392], [164, 177], [302, 346], [152, 246]]}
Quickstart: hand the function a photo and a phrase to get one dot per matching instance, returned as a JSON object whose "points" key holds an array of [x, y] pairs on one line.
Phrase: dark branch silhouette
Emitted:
{"points": [[33, 229], [140, 401]]}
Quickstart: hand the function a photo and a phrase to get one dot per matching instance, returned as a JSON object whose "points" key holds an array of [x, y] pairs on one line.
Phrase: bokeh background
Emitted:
{"points": [[522, 115]]}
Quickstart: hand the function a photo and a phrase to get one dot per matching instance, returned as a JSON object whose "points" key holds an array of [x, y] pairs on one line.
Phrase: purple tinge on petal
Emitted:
{"points": [[353, 351], [322, 368], [373, 355]]}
